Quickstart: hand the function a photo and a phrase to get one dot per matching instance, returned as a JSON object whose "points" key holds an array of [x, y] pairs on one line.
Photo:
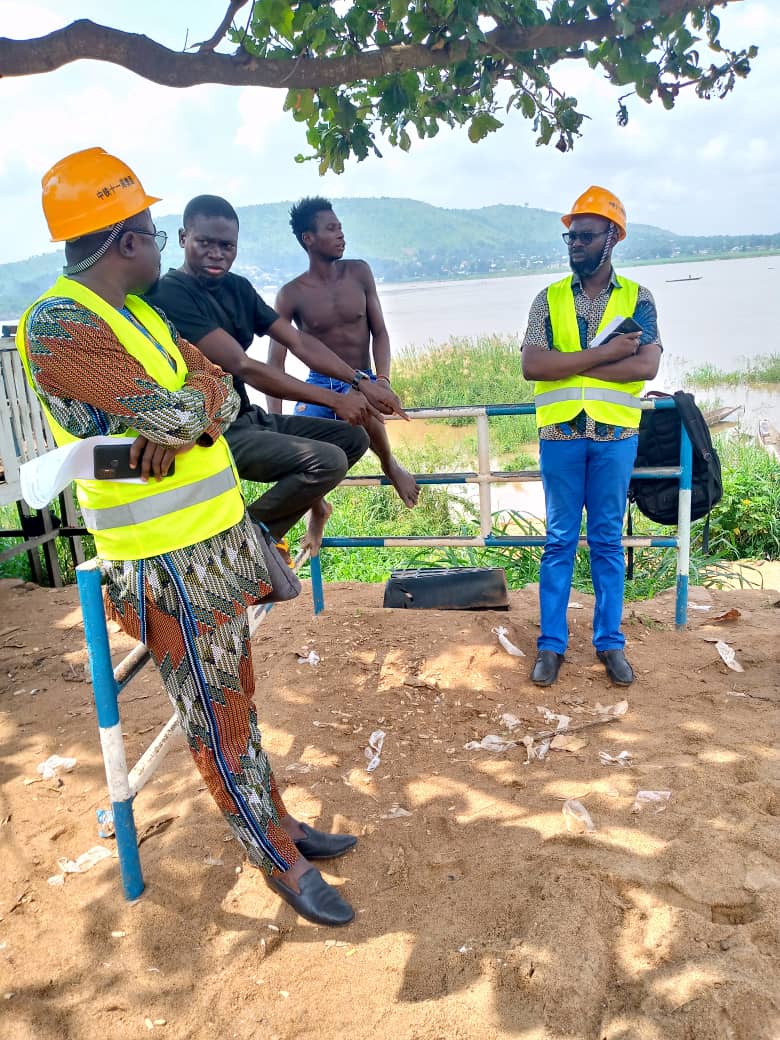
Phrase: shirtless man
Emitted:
{"points": [[221, 313], [336, 301]]}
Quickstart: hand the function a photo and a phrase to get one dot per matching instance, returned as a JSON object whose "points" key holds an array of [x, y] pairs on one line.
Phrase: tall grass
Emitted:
{"points": [[757, 371], [485, 370], [746, 522]]}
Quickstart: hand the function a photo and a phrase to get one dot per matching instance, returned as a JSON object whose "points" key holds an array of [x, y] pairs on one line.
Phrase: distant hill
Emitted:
{"points": [[403, 240]]}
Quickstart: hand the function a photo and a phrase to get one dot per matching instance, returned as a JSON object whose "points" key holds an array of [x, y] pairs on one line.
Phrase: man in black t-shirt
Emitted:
{"points": [[221, 313]]}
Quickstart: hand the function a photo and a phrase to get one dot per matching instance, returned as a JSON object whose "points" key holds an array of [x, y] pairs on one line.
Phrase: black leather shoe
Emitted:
{"points": [[618, 669], [317, 901], [546, 667], [318, 845]]}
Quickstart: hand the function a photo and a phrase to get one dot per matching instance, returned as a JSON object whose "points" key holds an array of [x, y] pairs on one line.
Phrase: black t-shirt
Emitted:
{"points": [[231, 304]]}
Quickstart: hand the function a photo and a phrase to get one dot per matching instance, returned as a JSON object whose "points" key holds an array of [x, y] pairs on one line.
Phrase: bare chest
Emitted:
{"points": [[328, 308]]}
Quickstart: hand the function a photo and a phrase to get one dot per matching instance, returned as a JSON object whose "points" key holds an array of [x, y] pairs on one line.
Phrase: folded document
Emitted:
{"points": [[44, 477]]}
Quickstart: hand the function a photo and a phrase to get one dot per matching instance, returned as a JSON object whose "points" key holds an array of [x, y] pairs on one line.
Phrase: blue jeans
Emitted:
{"points": [[593, 475], [320, 411]]}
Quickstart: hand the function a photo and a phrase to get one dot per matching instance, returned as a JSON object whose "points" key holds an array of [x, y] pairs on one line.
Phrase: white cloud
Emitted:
{"points": [[672, 168], [260, 110]]}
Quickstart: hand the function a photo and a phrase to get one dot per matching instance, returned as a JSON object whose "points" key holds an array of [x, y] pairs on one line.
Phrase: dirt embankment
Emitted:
{"points": [[479, 915]]}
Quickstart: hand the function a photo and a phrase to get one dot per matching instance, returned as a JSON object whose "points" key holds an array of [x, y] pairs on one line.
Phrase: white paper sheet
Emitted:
{"points": [[44, 477]]}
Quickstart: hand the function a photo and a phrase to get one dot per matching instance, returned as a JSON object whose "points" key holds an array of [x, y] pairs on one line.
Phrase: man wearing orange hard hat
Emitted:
{"points": [[592, 341], [181, 558]]}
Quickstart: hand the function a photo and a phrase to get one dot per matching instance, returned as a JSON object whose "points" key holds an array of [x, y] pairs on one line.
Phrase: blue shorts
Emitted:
{"points": [[320, 411]]}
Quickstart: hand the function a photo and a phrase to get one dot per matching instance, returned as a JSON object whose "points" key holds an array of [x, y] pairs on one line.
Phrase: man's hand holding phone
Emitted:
{"points": [[151, 460], [140, 460]]}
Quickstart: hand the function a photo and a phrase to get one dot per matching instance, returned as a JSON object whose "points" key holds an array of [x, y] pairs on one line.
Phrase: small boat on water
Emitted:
{"points": [[690, 278], [724, 418]]}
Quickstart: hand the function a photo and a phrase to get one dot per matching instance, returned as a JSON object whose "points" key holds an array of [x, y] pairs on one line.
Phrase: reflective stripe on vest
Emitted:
{"points": [[132, 521], [588, 393], [560, 400], [162, 504]]}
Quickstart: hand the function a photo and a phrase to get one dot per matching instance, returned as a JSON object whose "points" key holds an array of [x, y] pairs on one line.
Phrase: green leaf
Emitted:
{"points": [[398, 10], [482, 125]]}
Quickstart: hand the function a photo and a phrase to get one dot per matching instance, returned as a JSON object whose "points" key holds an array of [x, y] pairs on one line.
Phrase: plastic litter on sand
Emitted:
{"points": [[578, 819], [55, 764], [645, 799], [491, 742], [623, 758], [507, 644], [729, 657], [374, 750]]}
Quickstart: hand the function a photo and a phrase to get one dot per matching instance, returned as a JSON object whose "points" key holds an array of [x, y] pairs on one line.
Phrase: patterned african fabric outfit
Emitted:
{"points": [[188, 606]]}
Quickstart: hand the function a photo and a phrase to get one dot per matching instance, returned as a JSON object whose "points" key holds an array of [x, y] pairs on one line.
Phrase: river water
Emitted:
{"points": [[718, 314], [723, 316]]}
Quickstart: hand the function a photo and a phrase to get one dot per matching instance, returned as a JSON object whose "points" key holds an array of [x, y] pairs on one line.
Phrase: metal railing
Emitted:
{"points": [[484, 478]]}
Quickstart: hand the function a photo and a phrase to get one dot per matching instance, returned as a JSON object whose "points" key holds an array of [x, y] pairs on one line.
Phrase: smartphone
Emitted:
{"points": [[112, 462], [626, 326], [617, 327]]}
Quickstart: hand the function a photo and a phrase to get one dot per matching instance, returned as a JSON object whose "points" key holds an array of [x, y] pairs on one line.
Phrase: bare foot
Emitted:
{"points": [[318, 517], [404, 483]]}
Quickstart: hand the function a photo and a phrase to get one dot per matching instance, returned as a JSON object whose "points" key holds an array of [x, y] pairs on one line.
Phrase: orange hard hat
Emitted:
{"points": [[90, 190], [601, 203]]}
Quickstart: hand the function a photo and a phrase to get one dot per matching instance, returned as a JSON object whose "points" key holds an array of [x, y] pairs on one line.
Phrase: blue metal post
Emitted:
{"points": [[106, 692], [317, 590], [684, 530]]}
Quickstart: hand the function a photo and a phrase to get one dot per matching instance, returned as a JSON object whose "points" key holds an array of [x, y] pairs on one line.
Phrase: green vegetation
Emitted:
{"points": [[405, 240], [379, 512], [757, 371], [19, 566], [380, 72], [654, 569], [466, 371], [746, 524]]}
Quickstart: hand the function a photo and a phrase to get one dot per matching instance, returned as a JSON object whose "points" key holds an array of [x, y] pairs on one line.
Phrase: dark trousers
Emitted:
{"points": [[303, 458]]}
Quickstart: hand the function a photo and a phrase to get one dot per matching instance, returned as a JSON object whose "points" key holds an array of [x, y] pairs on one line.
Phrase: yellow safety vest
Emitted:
{"points": [[135, 521], [559, 400]]}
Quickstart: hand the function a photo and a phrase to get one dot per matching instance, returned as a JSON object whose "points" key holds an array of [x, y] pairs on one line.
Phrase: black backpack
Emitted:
{"points": [[659, 445]]}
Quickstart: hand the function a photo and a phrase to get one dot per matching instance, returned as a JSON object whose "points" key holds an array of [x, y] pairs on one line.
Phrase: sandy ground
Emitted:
{"points": [[479, 914]]}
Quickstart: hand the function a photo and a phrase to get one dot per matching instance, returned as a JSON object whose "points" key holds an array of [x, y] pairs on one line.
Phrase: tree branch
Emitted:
{"points": [[83, 39], [224, 25]]}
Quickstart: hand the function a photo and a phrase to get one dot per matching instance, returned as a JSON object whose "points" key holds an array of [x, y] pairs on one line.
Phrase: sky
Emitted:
{"points": [[704, 168]]}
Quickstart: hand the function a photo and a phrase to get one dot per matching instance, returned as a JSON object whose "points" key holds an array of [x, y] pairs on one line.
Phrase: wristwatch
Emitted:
{"points": [[355, 384]]}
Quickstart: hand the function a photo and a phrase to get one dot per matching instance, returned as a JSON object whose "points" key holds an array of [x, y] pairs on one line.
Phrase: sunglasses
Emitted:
{"points": [[160, 237], [586, 237]]}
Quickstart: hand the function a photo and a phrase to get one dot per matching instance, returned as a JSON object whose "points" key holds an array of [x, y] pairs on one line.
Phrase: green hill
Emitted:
{"points": [[403, 240]]}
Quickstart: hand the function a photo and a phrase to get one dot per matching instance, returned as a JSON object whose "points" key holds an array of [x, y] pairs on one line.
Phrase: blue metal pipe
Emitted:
{"points": [[106, 692]]}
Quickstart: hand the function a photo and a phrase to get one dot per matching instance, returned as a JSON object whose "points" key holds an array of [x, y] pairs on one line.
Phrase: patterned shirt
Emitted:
{"points": [[589, 314], [93, 386]]}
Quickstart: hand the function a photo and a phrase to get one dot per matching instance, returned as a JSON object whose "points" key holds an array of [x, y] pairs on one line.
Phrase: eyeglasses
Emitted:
{"points": [[586, 237], [160, 237]]}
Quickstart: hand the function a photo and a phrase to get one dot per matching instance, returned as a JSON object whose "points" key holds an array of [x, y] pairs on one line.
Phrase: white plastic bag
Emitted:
{"points": [[507, 644], [578, 819], [729, 657], [54, 764], [657, 799], [374, 750]]}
